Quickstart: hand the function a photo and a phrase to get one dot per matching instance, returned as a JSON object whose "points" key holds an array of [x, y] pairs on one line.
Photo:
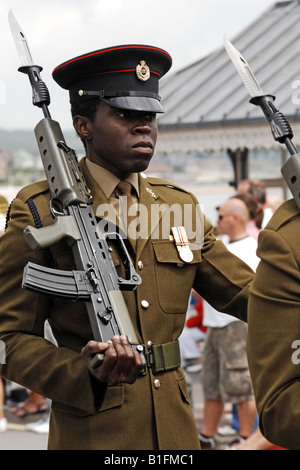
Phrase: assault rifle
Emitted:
{"points": [[280, 127], [95, 281]]}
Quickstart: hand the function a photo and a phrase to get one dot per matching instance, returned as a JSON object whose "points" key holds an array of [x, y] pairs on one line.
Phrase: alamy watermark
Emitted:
{"points": [[142, 222], [296, 93], [2, 353], [296, 354]]}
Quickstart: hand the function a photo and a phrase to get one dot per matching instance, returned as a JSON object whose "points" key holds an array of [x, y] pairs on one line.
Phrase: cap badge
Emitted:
{"points": [[143, 71]]}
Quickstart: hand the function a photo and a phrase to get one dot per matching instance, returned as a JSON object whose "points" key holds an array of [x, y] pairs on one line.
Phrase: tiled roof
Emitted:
{"points": [[210, 92]]}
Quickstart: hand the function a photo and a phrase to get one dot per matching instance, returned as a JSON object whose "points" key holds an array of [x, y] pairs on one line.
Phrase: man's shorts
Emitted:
{"points": [[225, 372]]}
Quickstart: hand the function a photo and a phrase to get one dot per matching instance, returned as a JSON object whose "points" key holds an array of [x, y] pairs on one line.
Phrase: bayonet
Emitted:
{"points": [[40, 93], [20, 41], [243, 69], [280, 127]]}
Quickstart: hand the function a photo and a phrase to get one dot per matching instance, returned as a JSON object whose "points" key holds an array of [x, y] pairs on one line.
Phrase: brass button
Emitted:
{"points": [[145, 303], [156, 383], [140, 264]]}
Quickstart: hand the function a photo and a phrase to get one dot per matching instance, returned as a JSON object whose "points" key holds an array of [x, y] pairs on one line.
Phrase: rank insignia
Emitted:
{"points": [[182, 244], [143, 71]]}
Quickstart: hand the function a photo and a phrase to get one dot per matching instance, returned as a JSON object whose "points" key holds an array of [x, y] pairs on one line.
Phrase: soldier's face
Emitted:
{"points": [[122, 141]]}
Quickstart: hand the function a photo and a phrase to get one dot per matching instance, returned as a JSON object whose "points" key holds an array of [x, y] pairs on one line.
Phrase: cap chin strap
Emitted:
{"points": [[114, 94]]}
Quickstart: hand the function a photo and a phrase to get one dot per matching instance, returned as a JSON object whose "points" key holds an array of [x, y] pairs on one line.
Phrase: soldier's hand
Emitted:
{"points": [[121, 363]]}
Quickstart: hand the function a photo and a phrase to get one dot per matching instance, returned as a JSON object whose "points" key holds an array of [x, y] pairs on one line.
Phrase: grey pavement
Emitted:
{"points": [[20, 439]]}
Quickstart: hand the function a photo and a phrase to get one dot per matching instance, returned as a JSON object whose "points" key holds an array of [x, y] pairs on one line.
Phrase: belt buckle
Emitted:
{"points": [[142, 351], [153, 364], [149, 355]]}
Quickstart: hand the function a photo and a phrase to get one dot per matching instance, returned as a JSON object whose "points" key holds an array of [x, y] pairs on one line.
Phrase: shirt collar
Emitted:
{"points": [[108, 181]]}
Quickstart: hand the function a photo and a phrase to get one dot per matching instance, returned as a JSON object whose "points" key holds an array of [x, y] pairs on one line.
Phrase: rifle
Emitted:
{"points": [[95, 280], [280, 127]]}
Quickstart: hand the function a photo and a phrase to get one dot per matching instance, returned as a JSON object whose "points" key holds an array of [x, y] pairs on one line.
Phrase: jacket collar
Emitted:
{"points": [[149, 199]]}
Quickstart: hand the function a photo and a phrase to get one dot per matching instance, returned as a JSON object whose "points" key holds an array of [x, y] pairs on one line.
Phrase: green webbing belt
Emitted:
{"points": [[164, 357]]}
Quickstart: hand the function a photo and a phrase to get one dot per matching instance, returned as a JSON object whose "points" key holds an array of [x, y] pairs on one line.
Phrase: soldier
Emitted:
{"points": [[114, 100], [274, 332]]}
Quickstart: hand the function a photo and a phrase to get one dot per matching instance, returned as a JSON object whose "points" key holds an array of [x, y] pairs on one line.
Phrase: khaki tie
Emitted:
{"points": [[127, 209]]}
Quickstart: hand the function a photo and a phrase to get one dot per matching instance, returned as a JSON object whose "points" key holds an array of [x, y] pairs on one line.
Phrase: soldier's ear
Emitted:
{"points": [[82, 126]]}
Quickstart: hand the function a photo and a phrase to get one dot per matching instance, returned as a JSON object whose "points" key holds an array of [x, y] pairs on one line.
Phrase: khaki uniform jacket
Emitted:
{"points": [[274, 328], [85, 414]]}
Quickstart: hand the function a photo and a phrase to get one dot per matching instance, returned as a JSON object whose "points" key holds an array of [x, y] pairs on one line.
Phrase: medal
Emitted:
{"points": [[182, 244]]}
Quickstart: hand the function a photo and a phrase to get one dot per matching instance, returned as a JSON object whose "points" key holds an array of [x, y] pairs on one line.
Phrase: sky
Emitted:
{"points": [[57, 30]]}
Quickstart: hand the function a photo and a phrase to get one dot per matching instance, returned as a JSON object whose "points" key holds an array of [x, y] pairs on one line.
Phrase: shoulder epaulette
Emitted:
{"points": [[287, 211], [28, 193], [33, 190], [161, 182]]}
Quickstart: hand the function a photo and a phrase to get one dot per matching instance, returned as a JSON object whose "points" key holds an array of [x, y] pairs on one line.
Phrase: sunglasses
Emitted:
{"points": [[220, 217]]}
